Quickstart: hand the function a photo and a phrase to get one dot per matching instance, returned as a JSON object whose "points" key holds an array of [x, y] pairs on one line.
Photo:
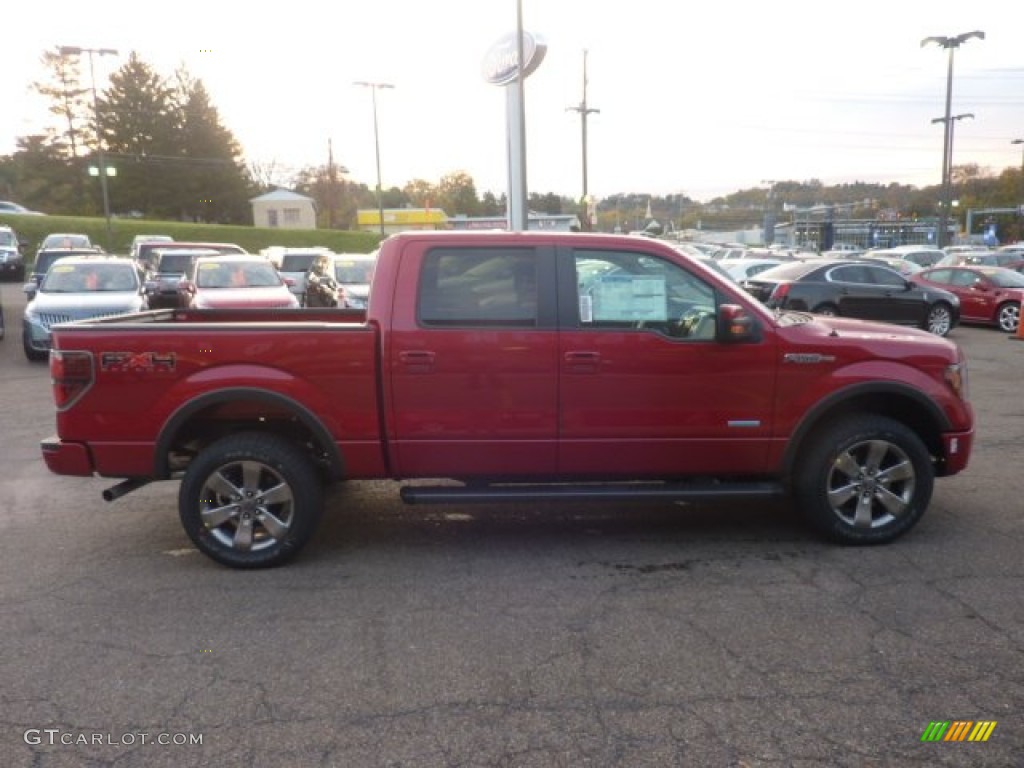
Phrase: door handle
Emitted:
{"points": [[417, 360], [579, 361]]}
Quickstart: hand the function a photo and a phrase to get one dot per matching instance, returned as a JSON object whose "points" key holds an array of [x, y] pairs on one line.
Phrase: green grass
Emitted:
{"points": [[32, 230]]}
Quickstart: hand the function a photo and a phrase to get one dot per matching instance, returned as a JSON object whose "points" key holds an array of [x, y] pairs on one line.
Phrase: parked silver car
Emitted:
{"points": [[77, 288]]}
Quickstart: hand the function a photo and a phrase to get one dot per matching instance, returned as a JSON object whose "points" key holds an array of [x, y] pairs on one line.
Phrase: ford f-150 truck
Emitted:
{"points": [[512, 366]]}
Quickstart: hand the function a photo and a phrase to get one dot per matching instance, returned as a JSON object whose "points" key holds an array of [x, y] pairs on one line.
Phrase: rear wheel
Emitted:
{"points": [[940, 319], [250, 500], [1008, 317], [829, 310], [864, 480]]}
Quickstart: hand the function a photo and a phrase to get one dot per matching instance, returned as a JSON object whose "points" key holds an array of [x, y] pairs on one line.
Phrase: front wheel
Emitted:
{"points": [[250, 500], [1008, 317], [939, 320], [828, 310], [864, 480]]}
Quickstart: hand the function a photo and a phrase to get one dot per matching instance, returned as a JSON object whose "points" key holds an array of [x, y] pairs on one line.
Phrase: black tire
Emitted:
{"points": [[250, 500], [34, 355], [939, 319], [864, 480], [1008, 316], [829, 310]]}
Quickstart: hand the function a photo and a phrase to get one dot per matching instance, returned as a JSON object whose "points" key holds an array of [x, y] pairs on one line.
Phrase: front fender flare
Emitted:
{"points": [[834, 402]]}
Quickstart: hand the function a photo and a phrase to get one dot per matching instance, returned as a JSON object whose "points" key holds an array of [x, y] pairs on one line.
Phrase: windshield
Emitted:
{"points": [[1005, 278], [175, 263], [66, 241], [297, 262], [353, 272], [247, 274], [82, 278]]}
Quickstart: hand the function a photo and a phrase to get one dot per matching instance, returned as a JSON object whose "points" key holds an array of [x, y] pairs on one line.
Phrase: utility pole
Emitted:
{"points": [[583, 111]]}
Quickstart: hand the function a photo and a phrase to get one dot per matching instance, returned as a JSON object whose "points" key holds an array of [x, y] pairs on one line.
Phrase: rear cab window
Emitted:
{"points": [[479, 287]]}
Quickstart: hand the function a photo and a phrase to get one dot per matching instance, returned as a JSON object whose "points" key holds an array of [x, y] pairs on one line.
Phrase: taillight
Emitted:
{"points": [[779, 294], [71, 374]]}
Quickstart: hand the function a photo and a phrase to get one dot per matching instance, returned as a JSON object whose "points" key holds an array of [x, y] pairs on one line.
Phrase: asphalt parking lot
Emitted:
{"points": [[546, 635]]}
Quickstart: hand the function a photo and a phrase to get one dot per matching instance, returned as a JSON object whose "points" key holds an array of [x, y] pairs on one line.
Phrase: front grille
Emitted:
{"points": [[48, 319]]}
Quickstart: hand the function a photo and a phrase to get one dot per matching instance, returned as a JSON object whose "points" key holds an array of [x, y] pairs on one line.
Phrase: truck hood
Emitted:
{"points": [[847, 339], [236, 298]]}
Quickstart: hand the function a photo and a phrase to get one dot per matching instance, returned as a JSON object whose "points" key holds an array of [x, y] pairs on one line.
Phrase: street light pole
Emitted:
{"points": [[1021, 142], [950, 44], [72, 50], [374, 87], [948, 171]]}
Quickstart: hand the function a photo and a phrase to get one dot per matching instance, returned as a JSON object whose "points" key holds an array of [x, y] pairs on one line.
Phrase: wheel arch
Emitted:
{"points": [[213, 415], [896, 401]]}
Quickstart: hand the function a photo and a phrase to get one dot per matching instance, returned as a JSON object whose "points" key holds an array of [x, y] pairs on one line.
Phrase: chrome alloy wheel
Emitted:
{"points": [[246, 506], [1008, 317], [940, 320], [871, 483]]}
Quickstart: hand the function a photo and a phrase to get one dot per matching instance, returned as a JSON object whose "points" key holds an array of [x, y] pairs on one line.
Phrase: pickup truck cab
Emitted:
{"points": [[522, 366]]}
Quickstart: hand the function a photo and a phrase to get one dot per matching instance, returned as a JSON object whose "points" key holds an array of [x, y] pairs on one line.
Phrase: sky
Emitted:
{"points": [[701, 99]]}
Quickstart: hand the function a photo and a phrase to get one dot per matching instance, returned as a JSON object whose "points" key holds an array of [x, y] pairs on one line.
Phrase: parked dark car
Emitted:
{"points": [[147, 256], [989, 295], [856, 289], [12, 263], [46, 258], [165, 288]]}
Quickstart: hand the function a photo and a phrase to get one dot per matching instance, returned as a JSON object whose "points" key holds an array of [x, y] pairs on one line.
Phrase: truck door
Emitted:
{"points": [[646, 389], [473, 362]]}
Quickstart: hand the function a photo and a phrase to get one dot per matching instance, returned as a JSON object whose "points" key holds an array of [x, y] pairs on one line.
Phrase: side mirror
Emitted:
{"points": [[30, 290], [735, 324]]}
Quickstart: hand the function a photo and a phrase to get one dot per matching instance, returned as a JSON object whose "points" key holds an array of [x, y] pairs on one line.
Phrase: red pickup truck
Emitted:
{"points": [[521, 366]]}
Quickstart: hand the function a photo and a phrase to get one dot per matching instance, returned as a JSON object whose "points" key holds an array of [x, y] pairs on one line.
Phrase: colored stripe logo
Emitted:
{"points": [[958, 730]]}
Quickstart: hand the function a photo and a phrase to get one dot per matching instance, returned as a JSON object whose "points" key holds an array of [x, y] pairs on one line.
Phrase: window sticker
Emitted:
{"points": [[632, 298]]}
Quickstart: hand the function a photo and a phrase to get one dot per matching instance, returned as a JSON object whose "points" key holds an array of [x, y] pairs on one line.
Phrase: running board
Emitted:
{"points": [[456, 494]]}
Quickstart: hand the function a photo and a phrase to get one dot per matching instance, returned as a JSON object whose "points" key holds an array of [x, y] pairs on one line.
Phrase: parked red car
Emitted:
{"points": [[990, 295]]}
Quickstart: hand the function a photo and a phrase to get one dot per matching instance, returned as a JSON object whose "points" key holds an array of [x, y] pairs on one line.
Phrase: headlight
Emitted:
{"points": [[956, 377]]}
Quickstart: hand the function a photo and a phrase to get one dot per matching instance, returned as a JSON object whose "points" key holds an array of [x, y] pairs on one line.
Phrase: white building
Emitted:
{"points": [[283, 209]]}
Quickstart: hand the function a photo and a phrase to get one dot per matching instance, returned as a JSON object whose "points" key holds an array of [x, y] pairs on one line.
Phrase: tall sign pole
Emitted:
{"points": [[508, 63]]}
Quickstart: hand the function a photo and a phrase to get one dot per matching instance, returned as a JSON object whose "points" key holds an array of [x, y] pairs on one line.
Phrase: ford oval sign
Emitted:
{"points": [[501, 64]]}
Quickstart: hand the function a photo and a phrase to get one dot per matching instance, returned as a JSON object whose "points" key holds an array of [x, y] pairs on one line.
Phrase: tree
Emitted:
{"points": [[491, 205], [69, 99], [71, 103], [421, 194], [457, 192], [140, 125], [332, 193], [38, 176], [214, 184]]}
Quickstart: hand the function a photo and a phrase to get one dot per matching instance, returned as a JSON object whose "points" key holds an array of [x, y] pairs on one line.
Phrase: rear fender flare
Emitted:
{"points": [[182, 415]]}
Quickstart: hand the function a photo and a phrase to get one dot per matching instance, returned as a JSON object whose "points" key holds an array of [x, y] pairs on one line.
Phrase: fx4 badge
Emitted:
{"points": [[144, 362], [807, 357]]}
